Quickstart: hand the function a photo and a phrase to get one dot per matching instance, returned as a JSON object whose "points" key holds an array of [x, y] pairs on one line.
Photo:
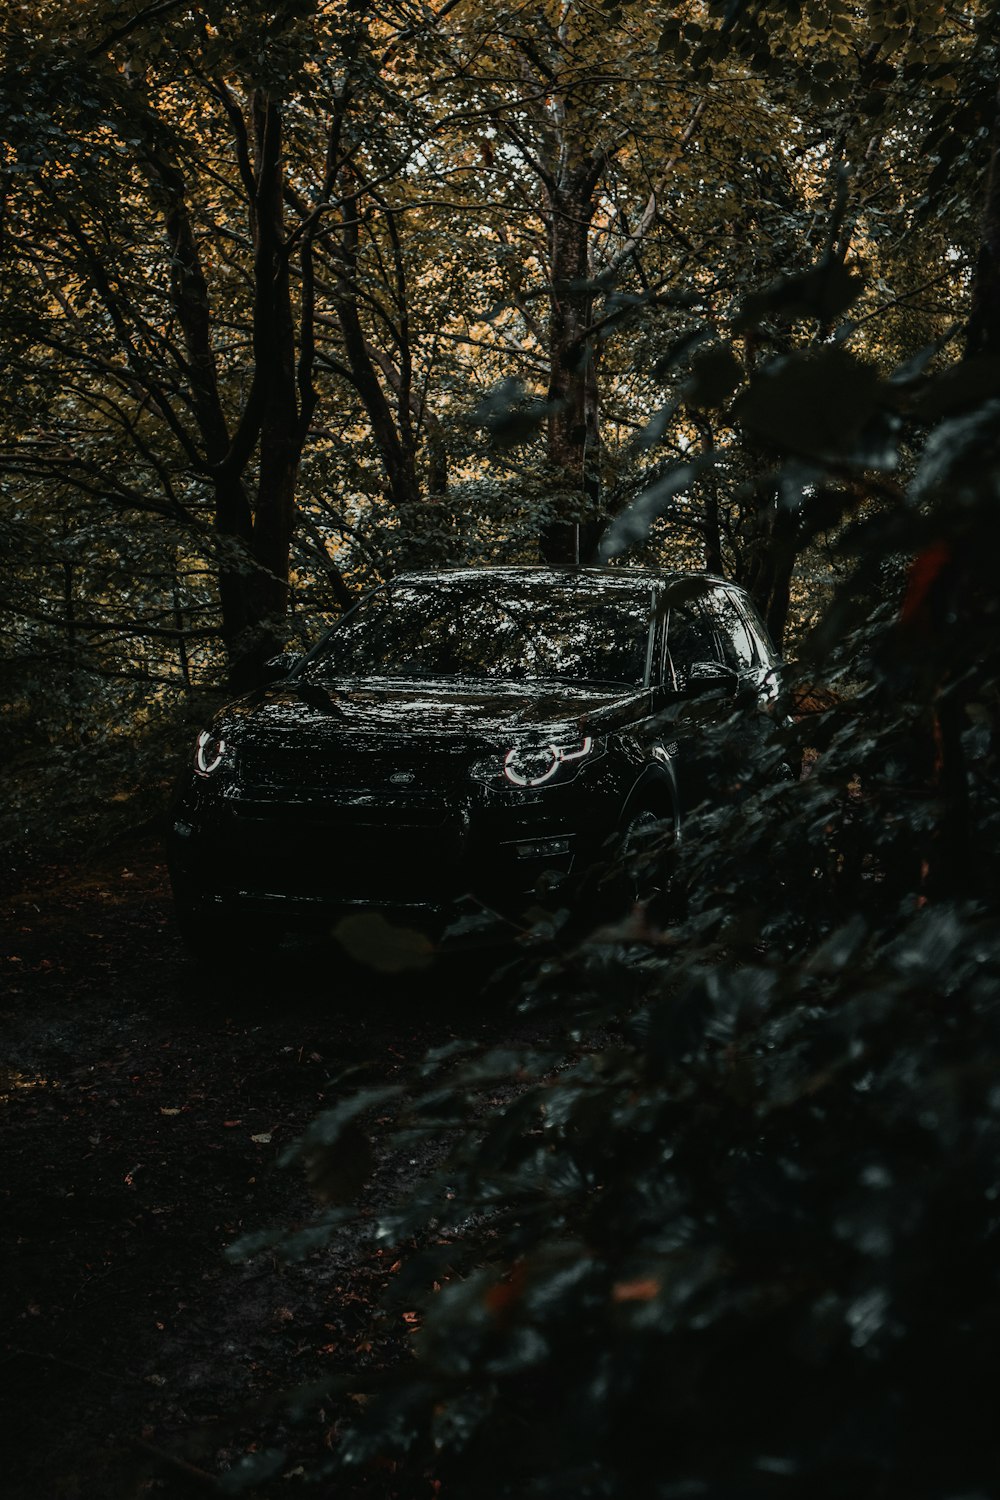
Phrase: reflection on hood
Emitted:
{"points": [[453, 707]]}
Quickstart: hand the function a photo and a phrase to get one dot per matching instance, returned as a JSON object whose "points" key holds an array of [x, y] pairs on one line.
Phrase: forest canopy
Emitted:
{"points": [[296, 295]]}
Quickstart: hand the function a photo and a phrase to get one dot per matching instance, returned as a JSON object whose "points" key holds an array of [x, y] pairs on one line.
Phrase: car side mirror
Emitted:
{"points": [[712, 677], [277, 667]]}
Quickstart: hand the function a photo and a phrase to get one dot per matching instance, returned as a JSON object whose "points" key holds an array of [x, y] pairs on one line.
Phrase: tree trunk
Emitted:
{"points": [[983, 336], [398, 459], [712, 529], [182, 651], [573, 423], [280, 444], [69, 613], [767, 572], [232, 520], [233, 525]]}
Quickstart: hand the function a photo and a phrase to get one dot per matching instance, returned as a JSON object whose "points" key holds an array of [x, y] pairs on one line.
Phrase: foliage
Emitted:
{"points": [[738, 1236], [280, 406], [299, 294], [216, 425]]}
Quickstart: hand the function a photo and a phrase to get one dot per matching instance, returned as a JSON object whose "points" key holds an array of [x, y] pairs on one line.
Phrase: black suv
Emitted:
{"points": [[460, 731]]}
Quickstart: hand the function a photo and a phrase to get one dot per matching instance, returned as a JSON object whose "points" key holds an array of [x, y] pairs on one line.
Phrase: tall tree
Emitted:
{"points": [[556, 96], [174, 208]]}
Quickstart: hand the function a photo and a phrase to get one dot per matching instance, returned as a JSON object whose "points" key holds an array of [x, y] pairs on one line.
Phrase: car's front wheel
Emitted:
{"points": [[638, 867], [645, 841]]}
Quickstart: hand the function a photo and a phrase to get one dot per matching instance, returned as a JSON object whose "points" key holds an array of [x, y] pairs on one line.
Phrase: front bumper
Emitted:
{"points": [[295, 860]]}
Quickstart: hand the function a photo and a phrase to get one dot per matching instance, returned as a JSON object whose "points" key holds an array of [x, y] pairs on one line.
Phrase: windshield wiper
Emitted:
{"points": [[608, 682]]}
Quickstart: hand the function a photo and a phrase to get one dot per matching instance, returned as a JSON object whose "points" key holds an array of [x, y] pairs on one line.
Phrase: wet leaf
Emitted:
{"points": [[715, 375], [634, 524], [372, 940], [817, 404], [960, 388], [824, 293], [251, 1470]]}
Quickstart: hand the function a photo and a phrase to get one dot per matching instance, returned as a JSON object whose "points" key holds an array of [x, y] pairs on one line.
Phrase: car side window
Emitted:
{"points": [[735, 643], [758, 633], [690, 637]]}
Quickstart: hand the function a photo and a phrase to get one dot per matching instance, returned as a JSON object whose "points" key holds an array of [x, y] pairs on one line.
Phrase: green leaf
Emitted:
{"points": [[816, 404], [509, 416], [963, 386], [824, 292], [372, 940], [715, 375], [634, 524], [678, 349], [251, 1470]]}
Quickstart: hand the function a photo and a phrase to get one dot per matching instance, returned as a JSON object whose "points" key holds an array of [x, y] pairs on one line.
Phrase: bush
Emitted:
{"points": [[740, 1236]]}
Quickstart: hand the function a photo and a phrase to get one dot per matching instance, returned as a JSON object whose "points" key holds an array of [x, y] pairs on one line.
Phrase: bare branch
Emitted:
{"points": [[651, 209]]}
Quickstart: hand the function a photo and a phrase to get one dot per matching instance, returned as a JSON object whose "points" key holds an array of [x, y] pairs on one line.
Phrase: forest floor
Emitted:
{"points": [[145, 1105]]}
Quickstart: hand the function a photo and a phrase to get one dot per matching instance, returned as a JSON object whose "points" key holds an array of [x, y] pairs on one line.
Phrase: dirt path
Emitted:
{"points": [[144, 1107]]}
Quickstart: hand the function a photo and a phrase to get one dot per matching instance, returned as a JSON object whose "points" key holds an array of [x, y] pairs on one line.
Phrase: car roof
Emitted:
{"points": [[541, 572]]}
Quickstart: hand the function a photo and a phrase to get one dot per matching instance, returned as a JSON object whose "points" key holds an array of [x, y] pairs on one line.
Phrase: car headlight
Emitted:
{"points": [[533, 765], [209, 753]]}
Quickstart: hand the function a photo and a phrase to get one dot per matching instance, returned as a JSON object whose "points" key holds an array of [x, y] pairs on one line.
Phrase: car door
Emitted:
{"points": [[689, 637], [703, 628], [741, 647], [648, 784]]}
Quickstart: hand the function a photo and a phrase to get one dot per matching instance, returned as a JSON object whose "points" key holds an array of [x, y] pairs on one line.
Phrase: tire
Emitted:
{"points": [[628, 873], [642, 876]]}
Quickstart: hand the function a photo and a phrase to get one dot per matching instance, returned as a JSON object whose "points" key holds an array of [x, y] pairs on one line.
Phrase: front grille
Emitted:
{"points": [[301, 766], [346, 812]]}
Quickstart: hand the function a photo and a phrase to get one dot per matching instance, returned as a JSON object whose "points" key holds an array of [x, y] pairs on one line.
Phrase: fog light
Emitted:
{"points": [[542, 848]]}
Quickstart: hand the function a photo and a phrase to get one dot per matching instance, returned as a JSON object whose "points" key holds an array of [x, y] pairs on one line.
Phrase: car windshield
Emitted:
{"points": [[579, 631]]}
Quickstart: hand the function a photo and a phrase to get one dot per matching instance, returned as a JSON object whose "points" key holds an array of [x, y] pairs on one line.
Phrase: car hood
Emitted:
{"points": [[426, 710]]}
